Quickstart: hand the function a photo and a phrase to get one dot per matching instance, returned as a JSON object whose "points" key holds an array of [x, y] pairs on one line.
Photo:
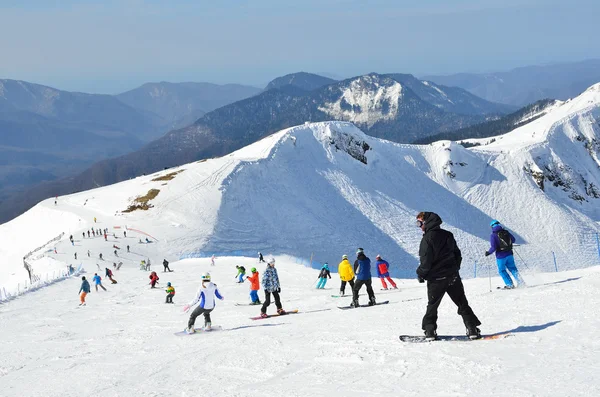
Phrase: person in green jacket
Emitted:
{"points": [[241, 273]]}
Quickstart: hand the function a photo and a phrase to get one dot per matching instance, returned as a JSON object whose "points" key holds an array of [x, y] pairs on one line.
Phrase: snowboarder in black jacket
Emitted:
{"points": [[440, 260]]}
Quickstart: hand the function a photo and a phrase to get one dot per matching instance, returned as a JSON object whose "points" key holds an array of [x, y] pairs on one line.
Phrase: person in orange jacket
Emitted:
{"points": [[254, 286]]}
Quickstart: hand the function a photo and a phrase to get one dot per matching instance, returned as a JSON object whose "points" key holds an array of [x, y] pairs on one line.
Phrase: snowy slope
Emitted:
{"points": [[122, 343], [323, 189]]}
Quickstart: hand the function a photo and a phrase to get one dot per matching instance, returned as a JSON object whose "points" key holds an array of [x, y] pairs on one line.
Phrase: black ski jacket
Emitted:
{"points": [[439, 254], [325, 273]]}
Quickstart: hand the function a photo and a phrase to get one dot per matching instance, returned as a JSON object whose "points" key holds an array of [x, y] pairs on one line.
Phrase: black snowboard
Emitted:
{"points": [[351, 307]]}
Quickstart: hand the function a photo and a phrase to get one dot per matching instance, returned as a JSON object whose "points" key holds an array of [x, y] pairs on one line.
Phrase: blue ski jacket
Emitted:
{"points": [[85, 287], [362, 267]]}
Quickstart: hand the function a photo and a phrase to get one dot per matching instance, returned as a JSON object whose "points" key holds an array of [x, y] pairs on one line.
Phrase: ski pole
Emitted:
{"points": [[521, 259]]}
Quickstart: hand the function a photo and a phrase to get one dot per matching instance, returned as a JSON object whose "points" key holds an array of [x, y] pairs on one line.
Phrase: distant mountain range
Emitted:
{"points": [[49, 133], [397, 107], [304, 81], [178, 105], [526, 85]]}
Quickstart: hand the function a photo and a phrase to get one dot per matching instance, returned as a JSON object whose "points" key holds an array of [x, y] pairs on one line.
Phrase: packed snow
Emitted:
{"points": [[307, 195]]}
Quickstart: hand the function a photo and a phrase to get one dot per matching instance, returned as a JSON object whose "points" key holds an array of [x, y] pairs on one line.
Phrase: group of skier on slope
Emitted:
{"points": [[208, 293], [440, 261]]}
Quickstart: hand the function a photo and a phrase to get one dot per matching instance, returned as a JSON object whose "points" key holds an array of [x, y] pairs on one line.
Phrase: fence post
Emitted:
{"points": [[555, 265], [311, 258], [475, 275], [598, 245]]}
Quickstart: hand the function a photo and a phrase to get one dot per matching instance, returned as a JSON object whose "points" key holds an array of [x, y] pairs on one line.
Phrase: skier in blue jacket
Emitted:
{"points": [[98, 282], [323, 274], [501, 241], [362, 269]]}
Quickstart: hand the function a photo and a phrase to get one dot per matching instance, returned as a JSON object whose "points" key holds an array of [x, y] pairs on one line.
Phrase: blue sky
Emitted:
{"points": [[112, 46]]}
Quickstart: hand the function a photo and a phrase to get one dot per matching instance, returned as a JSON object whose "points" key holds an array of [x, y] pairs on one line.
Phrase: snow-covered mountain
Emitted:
{"points": [[323, 189]]}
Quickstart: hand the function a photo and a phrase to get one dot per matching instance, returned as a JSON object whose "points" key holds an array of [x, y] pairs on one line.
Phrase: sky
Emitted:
{"points": [[112, 46]]}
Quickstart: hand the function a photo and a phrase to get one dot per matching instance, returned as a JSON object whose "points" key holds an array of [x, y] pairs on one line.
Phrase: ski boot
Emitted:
{"points": [[430, 335], [473, 333], [342, 293], [372, 302], [354, 304], [281, 312], [264, 315], [190, 330], [207, 326]]}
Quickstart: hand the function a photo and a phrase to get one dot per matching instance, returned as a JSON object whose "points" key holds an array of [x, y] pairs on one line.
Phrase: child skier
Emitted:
{"points": [[271, 285], [241, 273], [170, 293], [383, 272], [254, 287], [83, 290], [323, 276], [206, 295], [98, 282], [153, 279]]}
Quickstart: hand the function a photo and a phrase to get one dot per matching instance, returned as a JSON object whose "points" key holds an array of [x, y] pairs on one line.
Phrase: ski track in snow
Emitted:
{"points": [[122, 342]]}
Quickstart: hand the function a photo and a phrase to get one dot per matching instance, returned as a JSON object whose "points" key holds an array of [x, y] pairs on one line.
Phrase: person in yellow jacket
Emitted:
{"points": [[346, 274]]}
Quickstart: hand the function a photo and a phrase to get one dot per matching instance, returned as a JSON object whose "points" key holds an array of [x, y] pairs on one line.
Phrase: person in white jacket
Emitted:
{"points": [[206, 295]]}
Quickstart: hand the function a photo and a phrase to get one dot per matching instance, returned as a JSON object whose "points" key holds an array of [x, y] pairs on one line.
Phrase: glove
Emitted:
{"points": [[488, 253], [421, 280], [278, 290], [186, 308]]}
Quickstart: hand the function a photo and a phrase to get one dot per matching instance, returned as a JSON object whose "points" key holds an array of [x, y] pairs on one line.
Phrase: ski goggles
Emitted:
{"points": [[420, 223]]}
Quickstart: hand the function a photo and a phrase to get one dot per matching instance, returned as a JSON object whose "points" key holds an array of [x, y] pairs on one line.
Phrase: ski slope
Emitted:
{"points": [[122, 343]]}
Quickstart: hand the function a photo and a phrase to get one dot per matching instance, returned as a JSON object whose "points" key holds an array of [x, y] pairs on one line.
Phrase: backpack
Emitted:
{"points": [[505, 241]]}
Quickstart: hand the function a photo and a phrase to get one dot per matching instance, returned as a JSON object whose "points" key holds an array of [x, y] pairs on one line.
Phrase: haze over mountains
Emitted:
{"points": [[525, 85], [180, 104], [49, 134]]}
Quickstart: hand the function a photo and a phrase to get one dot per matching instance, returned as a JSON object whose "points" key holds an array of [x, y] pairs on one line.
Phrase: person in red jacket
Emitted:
{"points": [[153, 279], [383, 272], [254, 287]]}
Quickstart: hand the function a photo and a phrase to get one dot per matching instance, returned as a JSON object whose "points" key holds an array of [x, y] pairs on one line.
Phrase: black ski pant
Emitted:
{"points": [[198, 311], [169, 298], [166, 268], [267, 302], [101, 286], [343, 286], [435, 292], [358, 285]]}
